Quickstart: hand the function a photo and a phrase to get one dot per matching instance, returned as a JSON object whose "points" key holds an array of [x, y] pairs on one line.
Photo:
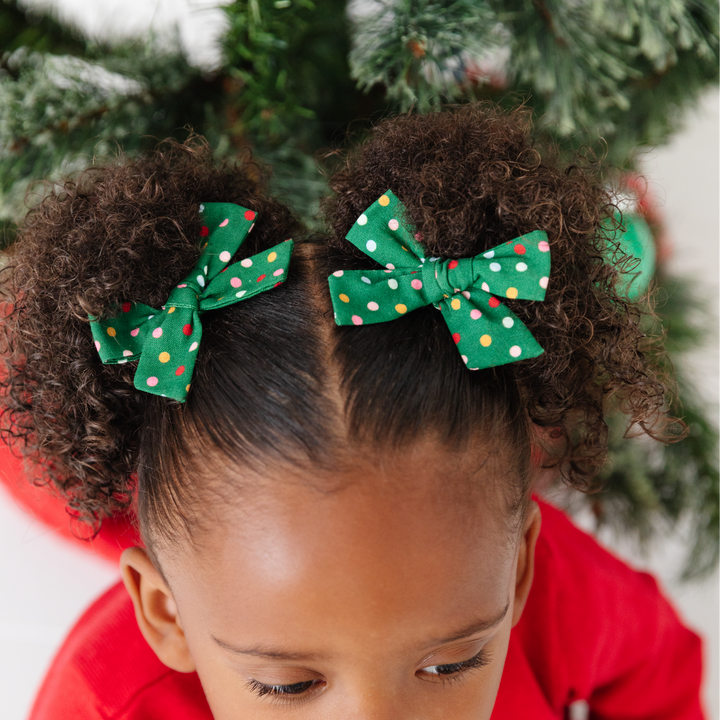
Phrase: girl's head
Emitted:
{"points": [[337, 522]]}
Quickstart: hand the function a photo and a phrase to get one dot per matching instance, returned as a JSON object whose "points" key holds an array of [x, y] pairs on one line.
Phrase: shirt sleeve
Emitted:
{"points": [[596, 630]]}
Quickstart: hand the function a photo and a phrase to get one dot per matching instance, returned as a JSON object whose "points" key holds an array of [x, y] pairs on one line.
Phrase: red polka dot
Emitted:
{"points": [[452, 264], [456, 337], [261, 278], [126, 307], [204, 232], [278, 283], [520, 249], [180, 370], [493, 302], [249, 215], [187, 330]]}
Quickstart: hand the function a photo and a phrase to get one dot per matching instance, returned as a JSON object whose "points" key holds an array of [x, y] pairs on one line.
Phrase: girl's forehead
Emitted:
{"points": [[393, 544]]}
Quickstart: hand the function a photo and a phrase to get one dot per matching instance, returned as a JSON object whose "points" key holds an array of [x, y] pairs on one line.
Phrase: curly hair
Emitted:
{"points": [[275, 379]]}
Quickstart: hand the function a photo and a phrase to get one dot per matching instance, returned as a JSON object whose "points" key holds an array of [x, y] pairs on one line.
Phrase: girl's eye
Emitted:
{"points": [[446, 671], [294, 689]]}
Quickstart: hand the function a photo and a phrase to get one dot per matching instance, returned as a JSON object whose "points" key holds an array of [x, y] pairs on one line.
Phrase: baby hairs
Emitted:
{"points": [[275, 379]]}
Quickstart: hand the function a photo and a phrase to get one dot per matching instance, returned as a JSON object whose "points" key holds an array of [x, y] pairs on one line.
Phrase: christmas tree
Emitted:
{"points": [[300, 76]]}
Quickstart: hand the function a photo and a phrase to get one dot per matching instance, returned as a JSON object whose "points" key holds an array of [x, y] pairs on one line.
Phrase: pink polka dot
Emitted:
{"points": [[235, 282], [393, 224], [278, 272], [224, 222], [225, 256], [475, 314], [417, 284], [249, 215], [452, 264], [543, 246], [152, 381], [357, 320], [97, 346], [466, 294], [544, 283], [135, 332], [157, 332], [182, 285]]}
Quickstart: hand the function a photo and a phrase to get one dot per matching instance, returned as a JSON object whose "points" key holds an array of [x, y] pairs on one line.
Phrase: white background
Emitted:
{"points": [[47, 583]]}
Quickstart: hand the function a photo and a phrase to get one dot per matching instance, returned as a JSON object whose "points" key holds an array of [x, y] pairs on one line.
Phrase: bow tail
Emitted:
{"points": [[168, 356], [487, 332], [121, 338]]}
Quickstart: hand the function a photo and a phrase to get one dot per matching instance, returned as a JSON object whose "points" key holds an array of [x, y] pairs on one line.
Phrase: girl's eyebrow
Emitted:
{"points": [[278, 654]]}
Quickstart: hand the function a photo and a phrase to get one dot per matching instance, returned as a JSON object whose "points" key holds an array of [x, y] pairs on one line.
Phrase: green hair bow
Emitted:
{"points": [[486, 332], [165, 341]]}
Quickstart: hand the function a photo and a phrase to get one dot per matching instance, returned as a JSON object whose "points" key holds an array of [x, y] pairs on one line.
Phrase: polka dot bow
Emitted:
{"points": [[466, 291], [165, 341]]}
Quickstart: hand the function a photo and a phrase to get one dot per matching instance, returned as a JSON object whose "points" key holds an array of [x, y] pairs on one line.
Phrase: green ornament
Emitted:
{"points": [[467, 291], [165, 341]]}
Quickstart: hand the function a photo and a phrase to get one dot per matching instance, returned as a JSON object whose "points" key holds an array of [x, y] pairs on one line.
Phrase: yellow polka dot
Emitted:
{"points": [[344, 297], [272, 256], [485, 340], [512, 293], [187, 388], [384, 200], [111, 332], [171, 310], [402, 309], [455, 304], [405, 249], [164, 357]]}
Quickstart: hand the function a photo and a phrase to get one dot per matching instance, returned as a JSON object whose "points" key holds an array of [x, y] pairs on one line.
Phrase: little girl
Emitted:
{"points": [[331, 445]]}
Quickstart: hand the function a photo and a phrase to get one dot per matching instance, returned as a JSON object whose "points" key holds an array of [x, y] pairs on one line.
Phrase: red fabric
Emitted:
{"points": [[593, 629]]}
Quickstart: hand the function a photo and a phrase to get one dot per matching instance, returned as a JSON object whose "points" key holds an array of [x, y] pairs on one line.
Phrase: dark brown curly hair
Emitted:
{"points": [[275, 379]]}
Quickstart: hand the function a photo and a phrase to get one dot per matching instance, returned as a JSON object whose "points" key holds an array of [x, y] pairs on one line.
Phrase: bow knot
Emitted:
{"points": [[465, 290], [186, 295]]}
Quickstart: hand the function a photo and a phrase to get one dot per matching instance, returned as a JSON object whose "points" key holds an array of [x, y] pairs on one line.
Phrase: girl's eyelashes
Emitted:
{"points": [[281, 691], [444, 673], [453, 671]]}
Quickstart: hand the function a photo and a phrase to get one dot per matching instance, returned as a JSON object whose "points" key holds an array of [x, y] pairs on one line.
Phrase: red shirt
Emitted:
{"points": [[593, 629]]}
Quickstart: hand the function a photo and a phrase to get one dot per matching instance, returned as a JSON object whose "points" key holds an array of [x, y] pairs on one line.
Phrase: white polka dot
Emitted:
{"points": [[490, 254], [157, 332], [338, 273], [393, 283], [373, 306], [508, 322], [465, 359], [521, 267], [495, 267], [485, 287], [543, 283], [241, 293], [225, 256], [202, 208], [193, 347], [247, 262], [127, 353], [422, 260], [390, 266], [200, 280], [393, 224], [466, 294], [362, 220], [434, 259], [122, 362], [515, 351], [205, 269], [371, 245], [366, 280]]}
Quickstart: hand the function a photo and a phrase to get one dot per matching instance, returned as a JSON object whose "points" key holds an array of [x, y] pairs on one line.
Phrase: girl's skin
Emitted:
{"points": [[390, 597]]}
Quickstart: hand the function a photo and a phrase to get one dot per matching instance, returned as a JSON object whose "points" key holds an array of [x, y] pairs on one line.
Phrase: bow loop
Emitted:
{"points": [[465, 290], [166, 341]]}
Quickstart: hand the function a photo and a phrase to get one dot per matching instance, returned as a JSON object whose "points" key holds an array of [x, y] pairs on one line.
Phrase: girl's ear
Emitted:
{"points": [[155, 610], [526, 560]]}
